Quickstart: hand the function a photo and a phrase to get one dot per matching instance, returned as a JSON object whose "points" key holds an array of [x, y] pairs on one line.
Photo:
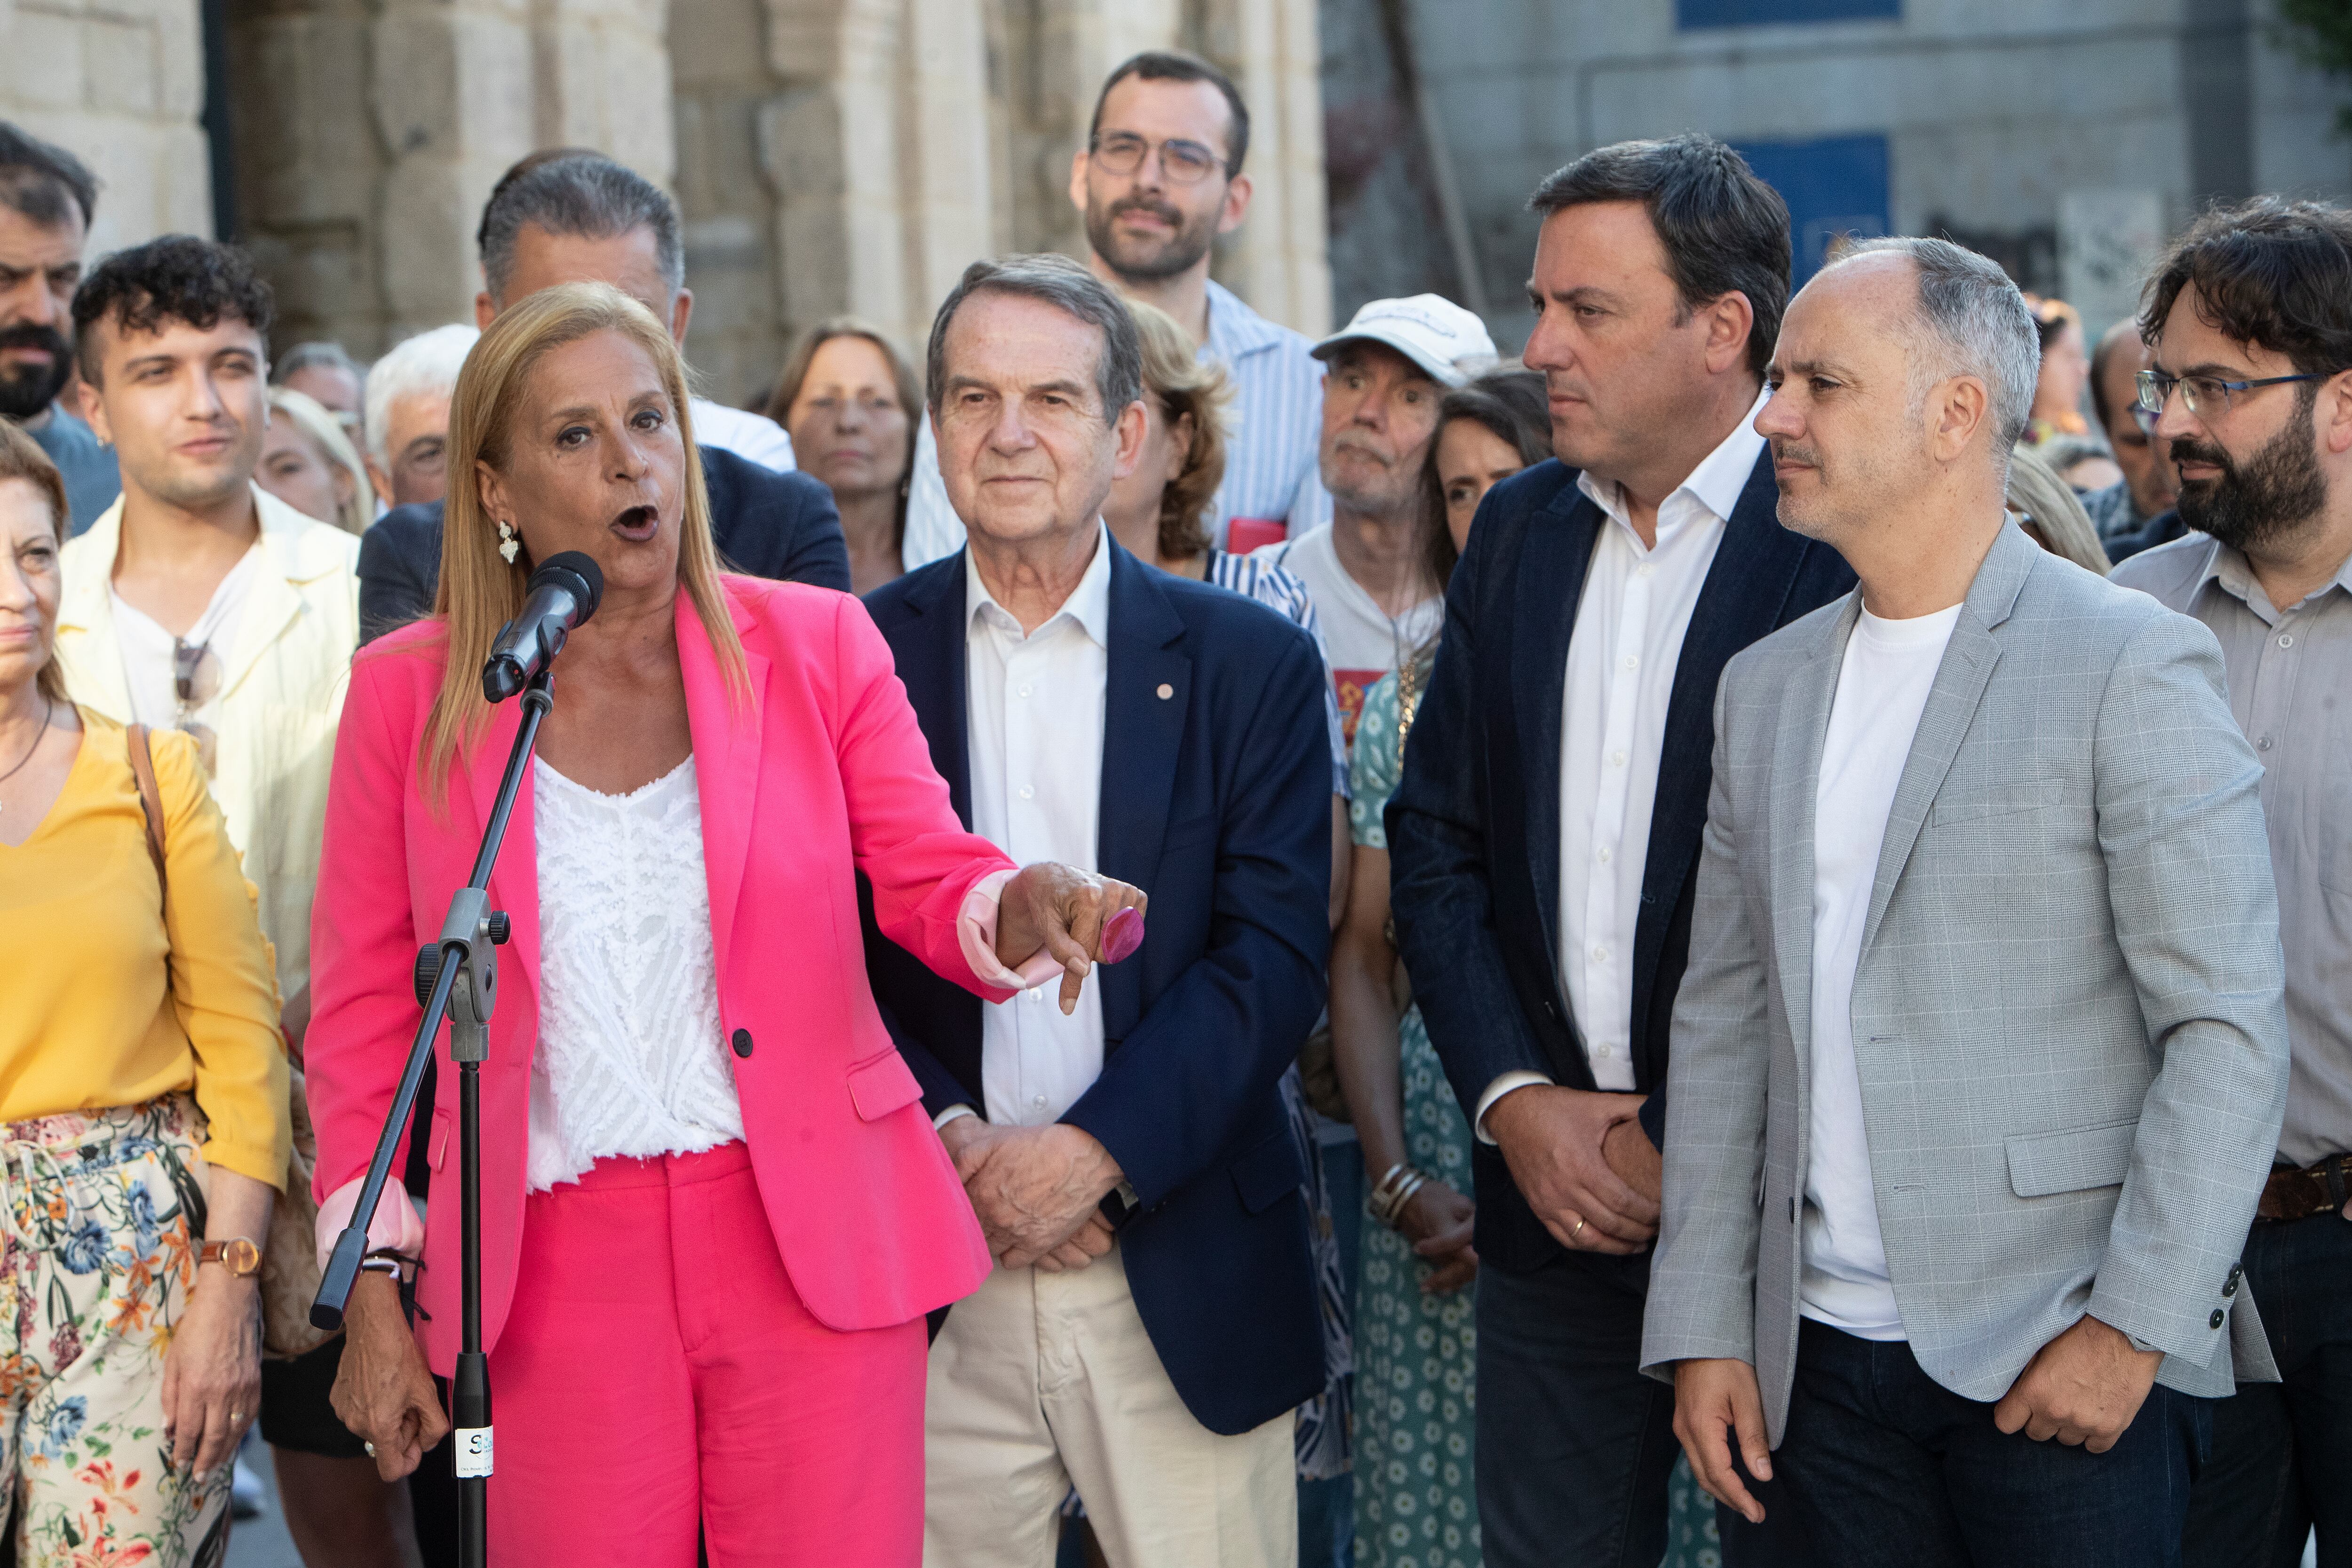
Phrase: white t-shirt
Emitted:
{"points": [[148, 649], [1890, 667], [1363, 640]]}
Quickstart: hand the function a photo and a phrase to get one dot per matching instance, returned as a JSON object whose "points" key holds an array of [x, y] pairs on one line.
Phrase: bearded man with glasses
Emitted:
{"points": [[1158, 180], [2251, 323]]}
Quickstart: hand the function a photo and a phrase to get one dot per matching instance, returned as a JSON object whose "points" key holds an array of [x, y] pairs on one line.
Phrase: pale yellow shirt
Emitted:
{"points": [[282, 697]]}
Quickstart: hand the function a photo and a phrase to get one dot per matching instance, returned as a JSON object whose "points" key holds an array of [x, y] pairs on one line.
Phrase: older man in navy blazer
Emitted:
{"points": [[1152, 1322], [1544, 839]]}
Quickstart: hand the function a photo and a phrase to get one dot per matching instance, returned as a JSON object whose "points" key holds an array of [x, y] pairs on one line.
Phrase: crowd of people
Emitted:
{"points": [[1742, 916]]}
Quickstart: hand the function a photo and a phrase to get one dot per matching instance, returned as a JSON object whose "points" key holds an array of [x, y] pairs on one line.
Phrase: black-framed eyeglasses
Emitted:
{"points": [[1185, 162], [2203, 395]]}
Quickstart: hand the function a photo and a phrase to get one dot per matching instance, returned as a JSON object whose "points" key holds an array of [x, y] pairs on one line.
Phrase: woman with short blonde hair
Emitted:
{"points": [[310, 464], [714, 1213]]}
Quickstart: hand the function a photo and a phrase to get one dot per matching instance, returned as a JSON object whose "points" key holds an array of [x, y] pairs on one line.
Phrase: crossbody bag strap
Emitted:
{"points": [[151, 799]]}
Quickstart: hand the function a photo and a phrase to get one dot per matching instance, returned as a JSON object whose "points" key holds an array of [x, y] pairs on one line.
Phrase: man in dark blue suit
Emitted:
{"points": [[1152, 1322], [1544, 839], [767, 524]]}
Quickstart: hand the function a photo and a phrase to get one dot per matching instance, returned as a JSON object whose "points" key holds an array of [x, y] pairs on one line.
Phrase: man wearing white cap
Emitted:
{"points": [[1365, 568]]}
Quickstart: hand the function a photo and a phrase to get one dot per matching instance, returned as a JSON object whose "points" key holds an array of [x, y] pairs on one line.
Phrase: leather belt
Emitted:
{"points": [[2299, 1194]]}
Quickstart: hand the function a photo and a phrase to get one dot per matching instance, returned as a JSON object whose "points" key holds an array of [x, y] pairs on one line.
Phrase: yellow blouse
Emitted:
{"points": [[110, 999]]}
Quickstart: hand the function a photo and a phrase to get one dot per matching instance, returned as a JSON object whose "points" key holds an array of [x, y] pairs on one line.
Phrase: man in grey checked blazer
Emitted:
{"points": [[1981, 1055]]}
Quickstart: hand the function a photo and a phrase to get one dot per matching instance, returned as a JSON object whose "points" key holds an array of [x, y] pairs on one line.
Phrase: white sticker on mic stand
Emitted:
{"points": [[473, 1452]]}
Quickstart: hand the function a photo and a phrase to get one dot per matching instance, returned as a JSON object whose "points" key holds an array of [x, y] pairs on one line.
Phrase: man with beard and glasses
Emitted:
{"points": [[2250, 322], [1159, 180], [45, 200]]}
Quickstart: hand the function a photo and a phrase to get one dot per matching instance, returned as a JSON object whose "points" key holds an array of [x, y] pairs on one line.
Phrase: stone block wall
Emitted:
{"points": [[121, 82], [853, 156], [369, 132]]}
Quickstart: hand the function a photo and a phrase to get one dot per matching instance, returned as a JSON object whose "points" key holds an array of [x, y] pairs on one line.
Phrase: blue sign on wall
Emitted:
{"points": [[1837, 185], [1757, 12]]}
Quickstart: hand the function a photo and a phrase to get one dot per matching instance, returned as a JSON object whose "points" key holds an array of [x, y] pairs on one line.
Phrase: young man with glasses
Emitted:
{"points": [[2251, 323], [1159, 180]]}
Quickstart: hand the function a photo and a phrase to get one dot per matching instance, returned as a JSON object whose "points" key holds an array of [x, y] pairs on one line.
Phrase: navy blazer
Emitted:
{"points": [[1217, 789], [1473, 827], [781, 525]]}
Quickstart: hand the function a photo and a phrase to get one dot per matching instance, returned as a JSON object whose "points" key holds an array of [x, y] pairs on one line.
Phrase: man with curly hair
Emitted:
{"points": [[200, 602]]}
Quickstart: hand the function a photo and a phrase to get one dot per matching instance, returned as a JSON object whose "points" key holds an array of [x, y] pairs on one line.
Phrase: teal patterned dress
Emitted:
{"points": [[1416, 1355], [1416, 1499]]}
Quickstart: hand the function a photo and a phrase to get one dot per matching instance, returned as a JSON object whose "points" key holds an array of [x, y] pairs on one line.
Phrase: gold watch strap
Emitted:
{"points": [[237, 1254]]}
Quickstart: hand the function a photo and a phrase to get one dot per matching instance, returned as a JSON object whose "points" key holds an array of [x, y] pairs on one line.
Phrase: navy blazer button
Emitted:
{"points": [[743, 1042], [2215, 1321]]}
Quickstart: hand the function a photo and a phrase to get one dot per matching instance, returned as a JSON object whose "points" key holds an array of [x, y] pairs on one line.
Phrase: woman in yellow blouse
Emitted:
{"points": [[143, 1106]]}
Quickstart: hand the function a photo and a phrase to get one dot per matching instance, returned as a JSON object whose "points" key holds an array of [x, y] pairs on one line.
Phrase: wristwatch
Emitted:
{"points": [[241, 1257]]}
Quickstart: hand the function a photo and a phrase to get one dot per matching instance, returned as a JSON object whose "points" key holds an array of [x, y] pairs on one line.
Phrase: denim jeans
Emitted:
{"points": [[2280, 1450], [1887, 1466]]}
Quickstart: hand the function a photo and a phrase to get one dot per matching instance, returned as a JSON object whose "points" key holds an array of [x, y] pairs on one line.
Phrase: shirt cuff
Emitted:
{"points": [[1503, 1084], [393, 1225], [953, 1113], [976, 928]]}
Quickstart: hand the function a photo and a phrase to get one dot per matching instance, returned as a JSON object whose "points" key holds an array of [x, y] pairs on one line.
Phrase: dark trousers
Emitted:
{"points": [[1887, 1466], [2280, 1450], [1574, 1444]]}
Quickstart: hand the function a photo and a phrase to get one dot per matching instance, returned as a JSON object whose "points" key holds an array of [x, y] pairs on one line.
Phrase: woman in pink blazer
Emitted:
{"points": [[713, 1211]]}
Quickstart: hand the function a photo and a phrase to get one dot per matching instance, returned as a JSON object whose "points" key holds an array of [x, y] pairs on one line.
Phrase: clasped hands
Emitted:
{"points": [[2083, 1388], [1582, 1163], [1037, 1190]]}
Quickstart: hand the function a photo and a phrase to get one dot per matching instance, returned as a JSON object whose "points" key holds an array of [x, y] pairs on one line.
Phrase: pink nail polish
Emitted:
{"points": [[1122, 934]]}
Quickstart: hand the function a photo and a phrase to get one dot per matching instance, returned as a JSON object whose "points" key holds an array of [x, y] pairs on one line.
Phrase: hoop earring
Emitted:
{"points": [[509, 546]]}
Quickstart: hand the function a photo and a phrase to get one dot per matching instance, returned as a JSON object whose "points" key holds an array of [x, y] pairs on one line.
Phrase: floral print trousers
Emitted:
{"points": [[96, 1262]]}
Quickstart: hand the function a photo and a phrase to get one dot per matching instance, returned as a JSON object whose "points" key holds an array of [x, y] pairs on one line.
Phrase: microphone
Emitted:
{"points": [[564, 591]]}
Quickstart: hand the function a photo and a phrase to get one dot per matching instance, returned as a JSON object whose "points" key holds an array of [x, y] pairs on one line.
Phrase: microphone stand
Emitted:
{"points": [[457, 974]]}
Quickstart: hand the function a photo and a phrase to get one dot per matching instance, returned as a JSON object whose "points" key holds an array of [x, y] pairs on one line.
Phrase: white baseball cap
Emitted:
{"points": [[1430, 329]]}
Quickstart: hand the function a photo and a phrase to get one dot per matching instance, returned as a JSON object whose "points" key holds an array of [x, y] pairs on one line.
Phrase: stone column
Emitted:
{"points": [[368, 134]]}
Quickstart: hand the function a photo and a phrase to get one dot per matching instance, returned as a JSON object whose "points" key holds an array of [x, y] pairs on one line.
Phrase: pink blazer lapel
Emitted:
{"points": [[514, 878], [727, 756]]}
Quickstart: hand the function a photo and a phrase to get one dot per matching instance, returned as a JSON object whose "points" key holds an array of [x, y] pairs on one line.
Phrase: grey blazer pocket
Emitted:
{"points": [[2040, 1164], [2000, 800]]}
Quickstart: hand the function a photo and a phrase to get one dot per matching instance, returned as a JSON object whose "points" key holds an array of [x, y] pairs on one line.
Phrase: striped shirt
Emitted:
{"points": [[1286, 595], [1272, 454]]}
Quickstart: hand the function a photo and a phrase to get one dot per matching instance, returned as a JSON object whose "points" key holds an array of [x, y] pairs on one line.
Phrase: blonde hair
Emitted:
{"points": [[480, 590], [312, 419], [21, 457], [1174, 373]]}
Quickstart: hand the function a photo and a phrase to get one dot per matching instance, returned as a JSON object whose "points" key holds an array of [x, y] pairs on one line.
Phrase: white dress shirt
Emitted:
{"points": [[1882, 689], [1621, 656], [753, 437], [1033, 726]]}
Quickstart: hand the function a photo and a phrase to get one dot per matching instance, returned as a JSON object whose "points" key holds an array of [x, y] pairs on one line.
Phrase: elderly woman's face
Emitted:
{"points": [[847, 425], [596, 463], [29, 582], [296, 470]]}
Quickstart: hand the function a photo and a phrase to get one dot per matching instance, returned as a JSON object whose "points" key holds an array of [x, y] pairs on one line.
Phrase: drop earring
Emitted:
{"points": [[507, 544]]}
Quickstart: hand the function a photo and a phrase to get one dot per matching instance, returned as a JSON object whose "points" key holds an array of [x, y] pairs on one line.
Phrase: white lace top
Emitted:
{"points": [[631, 1060]]}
